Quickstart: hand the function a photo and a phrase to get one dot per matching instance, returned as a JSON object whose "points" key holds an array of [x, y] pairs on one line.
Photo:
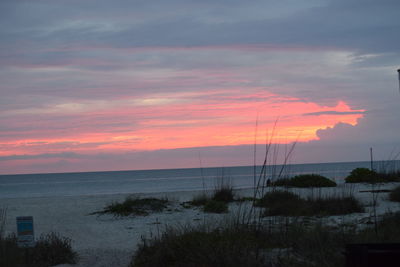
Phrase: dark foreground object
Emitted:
{"points": [[373, 255]]}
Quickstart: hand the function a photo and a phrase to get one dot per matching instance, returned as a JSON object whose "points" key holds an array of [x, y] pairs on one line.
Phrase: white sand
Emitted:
{"points": [[108, 241], [100, 240]]}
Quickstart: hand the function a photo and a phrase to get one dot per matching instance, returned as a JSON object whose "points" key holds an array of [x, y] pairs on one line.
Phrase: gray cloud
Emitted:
{"points": [[332, 112], [367, 26]]}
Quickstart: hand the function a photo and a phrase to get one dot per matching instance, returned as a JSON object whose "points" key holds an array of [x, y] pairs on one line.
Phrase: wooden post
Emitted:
{"points": [[398, 71], [372, 159]]}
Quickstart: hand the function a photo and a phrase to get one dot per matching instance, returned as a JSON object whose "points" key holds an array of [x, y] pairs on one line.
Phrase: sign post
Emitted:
{"points": [[26, 238]]}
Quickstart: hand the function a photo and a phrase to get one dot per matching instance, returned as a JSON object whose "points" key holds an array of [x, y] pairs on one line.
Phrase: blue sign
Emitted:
{"points": [[26, 237]]}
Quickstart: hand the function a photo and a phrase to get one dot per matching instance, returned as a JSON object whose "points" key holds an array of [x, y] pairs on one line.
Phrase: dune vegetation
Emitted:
{"points": [[287, 243], [289, 204], [135, 206], [365, 175], [274, 228], [215, 202], [49, 250], [305, 180]]}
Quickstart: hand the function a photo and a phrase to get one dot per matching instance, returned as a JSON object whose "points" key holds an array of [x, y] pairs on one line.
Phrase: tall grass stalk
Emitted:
{"points": [[374, 205], [202, 175], [269, 168]]}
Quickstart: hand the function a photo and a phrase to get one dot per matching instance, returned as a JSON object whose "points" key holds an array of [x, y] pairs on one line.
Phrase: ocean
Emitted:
{"points": [[155, 181]]}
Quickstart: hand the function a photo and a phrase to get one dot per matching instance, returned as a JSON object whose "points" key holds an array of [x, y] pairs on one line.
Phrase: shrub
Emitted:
{"points": [[53, 249], [289, 204], [50, 250], [10, 253], [305, 180], [363, 175], [135, 206], [214, 206], [395, 194]]}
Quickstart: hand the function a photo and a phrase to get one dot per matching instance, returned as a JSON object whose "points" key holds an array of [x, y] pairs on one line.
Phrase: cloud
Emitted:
{"points": [[375, 129], [101, 76], [356, 25], [67, 155], [333, 112]]}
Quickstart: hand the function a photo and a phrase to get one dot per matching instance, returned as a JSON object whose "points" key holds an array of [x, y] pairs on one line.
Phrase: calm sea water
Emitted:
{"points": [[146, 181]]}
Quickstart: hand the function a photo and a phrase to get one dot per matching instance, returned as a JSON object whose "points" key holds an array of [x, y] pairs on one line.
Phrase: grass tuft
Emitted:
{"points": [[218, 201], [289, 204], [224, 194], [135, 206]]}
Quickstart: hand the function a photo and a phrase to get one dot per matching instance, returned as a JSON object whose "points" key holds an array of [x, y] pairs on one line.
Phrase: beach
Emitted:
{"points": [[100, 240], [106, 240]]}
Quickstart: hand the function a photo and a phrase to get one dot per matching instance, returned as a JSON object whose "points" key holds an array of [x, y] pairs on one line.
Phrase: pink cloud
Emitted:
{"points": [[187, 120]]}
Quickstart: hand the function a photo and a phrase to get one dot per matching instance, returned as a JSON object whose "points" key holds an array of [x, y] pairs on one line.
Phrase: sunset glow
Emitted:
{"points": [[158, 122], [100, 85]]}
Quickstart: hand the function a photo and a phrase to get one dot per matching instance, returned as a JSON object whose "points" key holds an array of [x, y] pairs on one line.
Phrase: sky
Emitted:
{"points": [[123, 85]]}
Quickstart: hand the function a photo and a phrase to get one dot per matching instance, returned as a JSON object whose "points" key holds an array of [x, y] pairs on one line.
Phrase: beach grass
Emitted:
{"points": [[215, 202], [286, 243], [243, 245], [50, 250], [224, 194], [135, 206], [223, 190], [200, 246], [286, 203]]}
